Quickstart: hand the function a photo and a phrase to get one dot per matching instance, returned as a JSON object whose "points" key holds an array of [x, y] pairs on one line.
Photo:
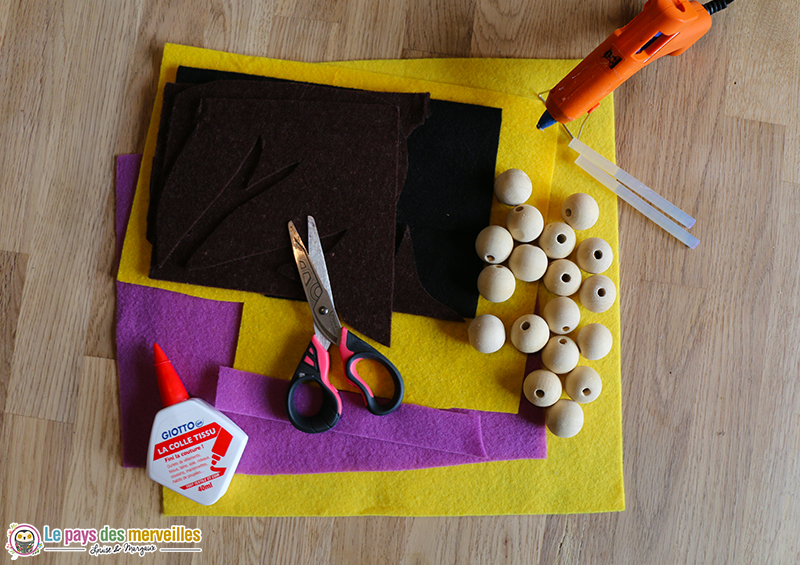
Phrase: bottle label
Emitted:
{"points": [[190, 460]]}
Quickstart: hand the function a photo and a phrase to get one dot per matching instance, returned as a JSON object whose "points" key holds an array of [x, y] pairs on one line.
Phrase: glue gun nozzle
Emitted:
{"points": [[545, 121]]}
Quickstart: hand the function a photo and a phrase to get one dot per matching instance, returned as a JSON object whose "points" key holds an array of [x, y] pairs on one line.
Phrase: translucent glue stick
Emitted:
{"points": [[194, 448]]}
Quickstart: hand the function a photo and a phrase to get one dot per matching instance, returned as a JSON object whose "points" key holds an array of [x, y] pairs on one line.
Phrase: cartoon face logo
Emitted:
{"points": [[23, 541]]}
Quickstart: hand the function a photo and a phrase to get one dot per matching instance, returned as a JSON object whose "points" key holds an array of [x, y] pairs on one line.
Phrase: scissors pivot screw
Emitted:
{"points": [[323, 310]]}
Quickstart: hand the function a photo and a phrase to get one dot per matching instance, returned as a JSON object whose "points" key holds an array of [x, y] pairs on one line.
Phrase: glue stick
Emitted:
{"points": [[194, 448]]}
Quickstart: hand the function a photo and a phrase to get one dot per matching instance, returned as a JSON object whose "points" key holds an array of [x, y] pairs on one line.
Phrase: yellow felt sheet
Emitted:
{"points": [[581, 474]]}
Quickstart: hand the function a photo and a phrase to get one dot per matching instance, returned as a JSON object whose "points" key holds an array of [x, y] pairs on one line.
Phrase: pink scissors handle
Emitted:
{"points": [[314, 368]]}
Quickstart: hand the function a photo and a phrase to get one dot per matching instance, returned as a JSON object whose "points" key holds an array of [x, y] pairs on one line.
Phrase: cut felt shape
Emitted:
{"points": [[448, 188], [182, 101], [412, 437], [336, 162]]}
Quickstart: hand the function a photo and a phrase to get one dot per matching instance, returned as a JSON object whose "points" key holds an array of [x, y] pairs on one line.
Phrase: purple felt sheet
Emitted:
{"points": [[197, 335], [127, 173], [200, 336], [240, 395]]}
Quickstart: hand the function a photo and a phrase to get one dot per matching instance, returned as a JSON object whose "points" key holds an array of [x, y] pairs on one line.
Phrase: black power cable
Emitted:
{"points": [[716, 5]]}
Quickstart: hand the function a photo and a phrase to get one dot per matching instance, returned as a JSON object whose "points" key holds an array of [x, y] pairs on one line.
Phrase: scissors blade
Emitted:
{"points": [[318, 256], [326, 321]]}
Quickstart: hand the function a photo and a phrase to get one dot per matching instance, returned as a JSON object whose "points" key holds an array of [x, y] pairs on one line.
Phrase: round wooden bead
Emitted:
{"points": [[496, 283], [562, 315], [494, 244], [560, 355], [528, 262], [583, 384], [542, 388], [513, 187], [557, 240], [580, 211], [564, 418], [598, 293], [525, 223], [529, 333], [594, 341], [486, 333], [562, 277], [594, 255]]}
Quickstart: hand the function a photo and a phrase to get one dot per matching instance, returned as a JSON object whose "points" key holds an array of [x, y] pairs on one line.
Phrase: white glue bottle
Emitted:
{"points": [[194, 448]]}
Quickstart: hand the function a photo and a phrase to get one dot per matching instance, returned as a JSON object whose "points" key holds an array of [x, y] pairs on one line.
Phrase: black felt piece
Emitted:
{"points": [[410, 296], [334, 161], [450, 181], [448, 197], [449, 271]]}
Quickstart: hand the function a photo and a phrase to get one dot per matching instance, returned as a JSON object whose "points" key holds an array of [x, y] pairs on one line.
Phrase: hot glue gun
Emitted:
{"points": [[664, 27]]}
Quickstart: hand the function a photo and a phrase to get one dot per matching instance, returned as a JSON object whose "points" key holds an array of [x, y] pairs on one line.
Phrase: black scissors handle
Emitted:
{"points": [[314, 368], [353, 349]]}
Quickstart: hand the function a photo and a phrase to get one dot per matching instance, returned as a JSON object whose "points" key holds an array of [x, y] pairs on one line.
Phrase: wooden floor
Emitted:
{"points": [[710, 337]]}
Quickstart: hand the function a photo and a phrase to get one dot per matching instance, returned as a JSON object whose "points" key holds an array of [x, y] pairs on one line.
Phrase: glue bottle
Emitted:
{"points": [[194, 448]]}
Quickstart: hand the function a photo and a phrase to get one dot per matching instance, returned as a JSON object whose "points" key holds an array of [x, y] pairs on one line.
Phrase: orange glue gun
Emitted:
{"points": [[664, 27]]}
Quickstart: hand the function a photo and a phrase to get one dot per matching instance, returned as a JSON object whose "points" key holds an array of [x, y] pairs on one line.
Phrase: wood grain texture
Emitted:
{"points": [[710, 362]]}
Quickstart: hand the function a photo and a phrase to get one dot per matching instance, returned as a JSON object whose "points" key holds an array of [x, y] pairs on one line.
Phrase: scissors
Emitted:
{"points": [[315, 363]]}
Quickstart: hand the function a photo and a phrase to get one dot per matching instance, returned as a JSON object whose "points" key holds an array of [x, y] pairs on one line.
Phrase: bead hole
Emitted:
{"points": [[490, 258], [568, 212], [539, 393], [566, 278], [519, 209], [601, 292], [562, 341], [561, 238], [565, 328], [598, 254], [525, 326], [586, 392]]}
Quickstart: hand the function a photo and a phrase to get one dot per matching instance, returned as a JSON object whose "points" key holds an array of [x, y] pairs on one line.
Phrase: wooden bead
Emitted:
{"points": [[562, 315], [594, 255], [513, 187], [542, 388], [564, 418], [583, 384], [594, 341], [496, 283], [525, 223], [528, 262], [580, 211], [494, 244], [486, 333], [562, 277], [557, 240], [529, 333], [560, 355], [598, 293]]}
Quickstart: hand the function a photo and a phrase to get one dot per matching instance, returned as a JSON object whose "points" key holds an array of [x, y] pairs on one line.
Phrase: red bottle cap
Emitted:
{"points": [[169, 383]]}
